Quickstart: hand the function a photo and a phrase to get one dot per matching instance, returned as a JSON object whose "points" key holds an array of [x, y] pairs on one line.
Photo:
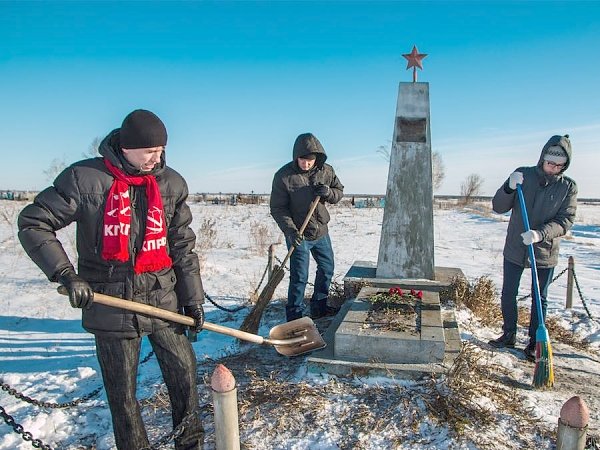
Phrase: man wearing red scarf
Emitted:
{"points": [[134, 241]]}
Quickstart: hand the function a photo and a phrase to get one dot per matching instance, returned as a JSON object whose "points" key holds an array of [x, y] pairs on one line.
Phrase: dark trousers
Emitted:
{"points": [[510, 289], [322, 252], [119, 360]]}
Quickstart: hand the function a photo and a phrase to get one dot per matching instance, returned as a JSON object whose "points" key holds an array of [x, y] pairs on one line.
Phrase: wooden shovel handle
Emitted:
{"points": [[311, 210], [130, 305]]}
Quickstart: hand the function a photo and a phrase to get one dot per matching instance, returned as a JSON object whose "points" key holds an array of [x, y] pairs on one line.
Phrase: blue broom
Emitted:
{"points": [[543, 375]]}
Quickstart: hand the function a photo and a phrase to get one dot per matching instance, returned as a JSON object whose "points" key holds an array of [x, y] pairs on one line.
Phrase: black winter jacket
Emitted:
{"points": [[551, 203], [293, 191], [79, 195]]}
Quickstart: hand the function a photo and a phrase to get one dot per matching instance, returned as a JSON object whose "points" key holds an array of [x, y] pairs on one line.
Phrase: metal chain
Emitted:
{"points": [[581, 296], [177, 431], [25, 398], [147, 357], [37, 443], [578, 291], [553, 280], [19, 395], [18, 428], [231, 310]]}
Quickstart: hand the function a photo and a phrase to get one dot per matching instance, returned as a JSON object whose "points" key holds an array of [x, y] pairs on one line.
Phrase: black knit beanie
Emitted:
{"points": [[142, 129]]}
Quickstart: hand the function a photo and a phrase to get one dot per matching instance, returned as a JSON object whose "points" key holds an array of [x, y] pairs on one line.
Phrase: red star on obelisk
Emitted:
{"points": [[414, 60]]}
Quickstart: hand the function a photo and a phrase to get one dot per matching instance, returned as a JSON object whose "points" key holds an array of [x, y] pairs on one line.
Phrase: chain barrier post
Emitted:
{"points": [[569, 304], [225, 407], [573, 424]]}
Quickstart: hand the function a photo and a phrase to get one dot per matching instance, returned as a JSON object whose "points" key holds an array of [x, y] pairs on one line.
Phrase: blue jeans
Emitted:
{"points": [[508, 301], [322, 252], [119, 360]]}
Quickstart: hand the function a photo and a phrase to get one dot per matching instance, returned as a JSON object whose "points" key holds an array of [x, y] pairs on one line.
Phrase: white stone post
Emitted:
{"points": [[572, 425], [224, 393]]}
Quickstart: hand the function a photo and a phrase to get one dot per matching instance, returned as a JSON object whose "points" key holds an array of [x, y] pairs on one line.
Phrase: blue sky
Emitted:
{"points": [[236, 82]]}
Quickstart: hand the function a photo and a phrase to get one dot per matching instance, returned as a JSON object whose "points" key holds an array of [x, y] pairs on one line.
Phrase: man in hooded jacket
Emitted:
{"points": [[551, 202], [295, 186], [134, 241]]}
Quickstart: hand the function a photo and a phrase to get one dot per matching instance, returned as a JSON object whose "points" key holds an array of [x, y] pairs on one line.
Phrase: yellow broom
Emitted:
{"points": [[543, 375]]}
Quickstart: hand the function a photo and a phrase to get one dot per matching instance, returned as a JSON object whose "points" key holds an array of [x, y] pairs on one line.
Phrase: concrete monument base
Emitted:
{"points": [[419, 340], [324, 361], [356, 347]]}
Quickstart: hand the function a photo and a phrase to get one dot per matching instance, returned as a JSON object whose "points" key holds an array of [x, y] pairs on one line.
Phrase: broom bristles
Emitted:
{"points": [[252, 322], [543, 375]]}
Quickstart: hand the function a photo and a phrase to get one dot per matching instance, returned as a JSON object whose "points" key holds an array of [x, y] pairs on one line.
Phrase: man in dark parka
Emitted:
{"points": [[551, 202], [295, 186], [134, 241]]}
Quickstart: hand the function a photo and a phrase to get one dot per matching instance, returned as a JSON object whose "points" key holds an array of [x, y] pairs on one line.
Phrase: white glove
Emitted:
{"points": [[514, 179], [531, 236]]}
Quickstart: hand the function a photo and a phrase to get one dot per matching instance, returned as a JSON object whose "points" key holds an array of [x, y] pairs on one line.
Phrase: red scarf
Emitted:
{"points": [[153, 255]]}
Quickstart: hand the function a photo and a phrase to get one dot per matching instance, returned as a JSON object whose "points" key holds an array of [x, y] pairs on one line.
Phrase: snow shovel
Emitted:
{"points": [[252, 320], [289, 339]]}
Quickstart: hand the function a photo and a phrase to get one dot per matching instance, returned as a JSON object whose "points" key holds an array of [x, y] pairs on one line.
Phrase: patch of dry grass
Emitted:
{"points": [[273, 410], [206, 238], [482, 299], [393, 312], [459, 401], [561, 334], [476, 401]]}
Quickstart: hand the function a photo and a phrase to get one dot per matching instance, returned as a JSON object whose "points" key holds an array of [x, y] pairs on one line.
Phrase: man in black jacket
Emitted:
{"points": [[134, 241], [295, 186]]}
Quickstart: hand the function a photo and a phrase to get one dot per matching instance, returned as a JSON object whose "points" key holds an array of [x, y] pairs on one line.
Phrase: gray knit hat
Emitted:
{"points": [[555, 154]]}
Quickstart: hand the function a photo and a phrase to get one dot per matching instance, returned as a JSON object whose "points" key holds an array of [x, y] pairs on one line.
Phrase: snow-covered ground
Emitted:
{"points": [[45, 354]]}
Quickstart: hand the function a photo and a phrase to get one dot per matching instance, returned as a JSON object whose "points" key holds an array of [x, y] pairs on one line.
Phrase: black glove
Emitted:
{"points": [[297, 239], [322, 190], [80, 292], [196, 312]]}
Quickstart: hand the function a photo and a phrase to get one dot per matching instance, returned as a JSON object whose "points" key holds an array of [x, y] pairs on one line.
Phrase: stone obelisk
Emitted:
{"points": [[406, 247]]}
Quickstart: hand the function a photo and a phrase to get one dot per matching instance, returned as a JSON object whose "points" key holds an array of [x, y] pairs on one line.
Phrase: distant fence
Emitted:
{"points": [[17, 195], [354, 200], [230, 198]]}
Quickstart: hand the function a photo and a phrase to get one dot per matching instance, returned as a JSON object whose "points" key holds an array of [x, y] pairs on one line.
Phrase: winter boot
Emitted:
{"points": [[530, 351], [506, 340]]}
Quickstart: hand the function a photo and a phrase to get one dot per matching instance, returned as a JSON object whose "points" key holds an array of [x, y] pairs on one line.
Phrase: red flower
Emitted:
{"points": [[413, 292], [395, 291], [420, 294]]}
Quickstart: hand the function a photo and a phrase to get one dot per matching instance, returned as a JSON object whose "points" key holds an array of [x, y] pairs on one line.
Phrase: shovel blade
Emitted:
{"points": [[303, 327]]}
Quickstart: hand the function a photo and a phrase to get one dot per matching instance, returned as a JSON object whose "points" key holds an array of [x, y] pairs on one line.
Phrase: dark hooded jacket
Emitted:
{"points": [[293, 191], [551, 203], [79, 195]]}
